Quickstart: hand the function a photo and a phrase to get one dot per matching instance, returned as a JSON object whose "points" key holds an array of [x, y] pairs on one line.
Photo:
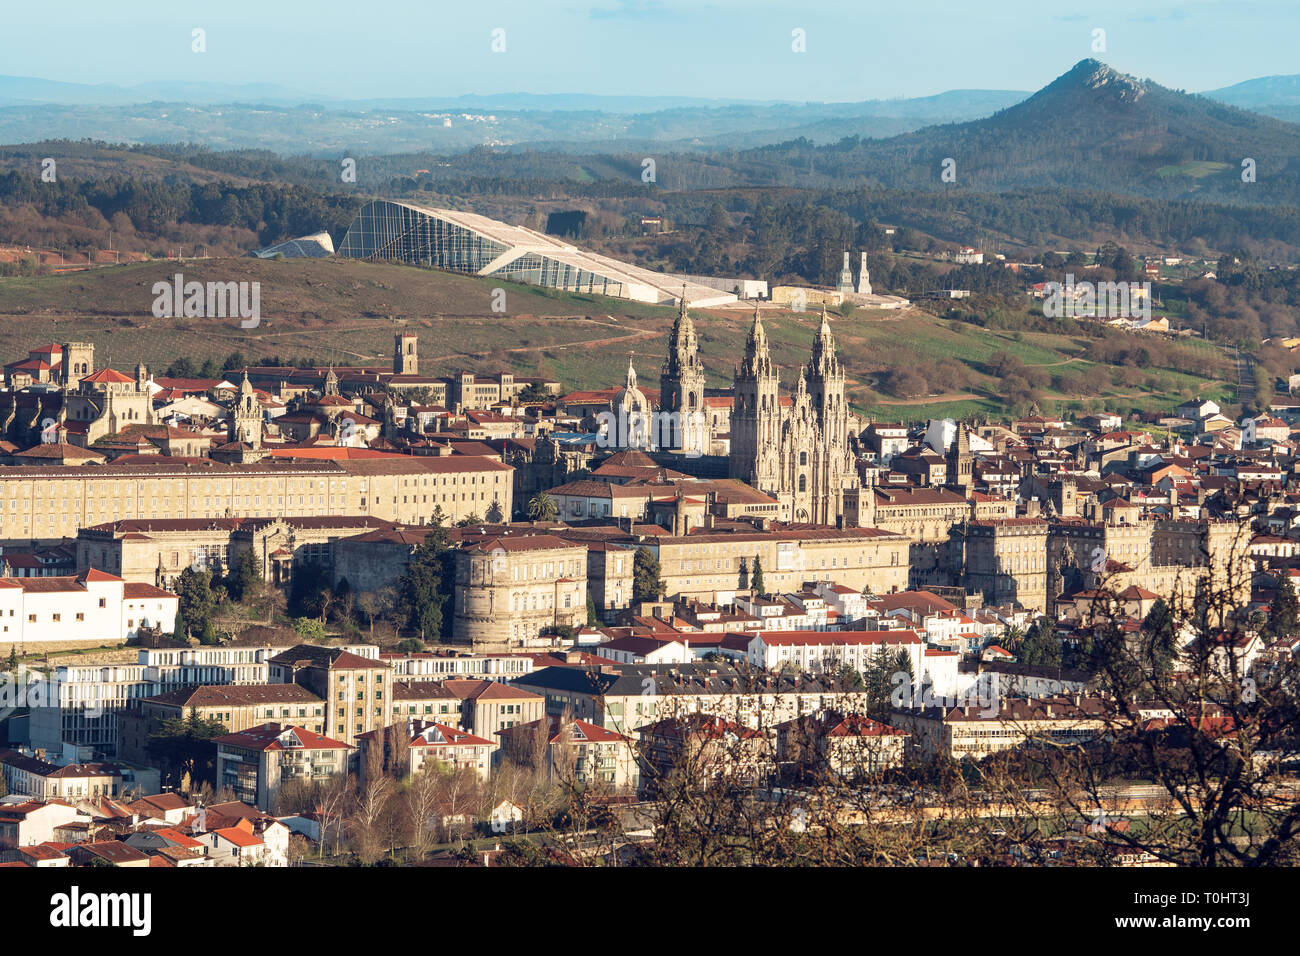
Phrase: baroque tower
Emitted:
{"points": [[246, 421], [681, 389], [756, 413]]}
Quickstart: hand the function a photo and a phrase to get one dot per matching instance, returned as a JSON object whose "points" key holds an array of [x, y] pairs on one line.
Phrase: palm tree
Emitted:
{"points": [[542, 507]]}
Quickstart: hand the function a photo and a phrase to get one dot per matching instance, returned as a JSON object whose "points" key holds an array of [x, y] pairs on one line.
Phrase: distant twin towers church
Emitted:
{"points": [[794, 449]]}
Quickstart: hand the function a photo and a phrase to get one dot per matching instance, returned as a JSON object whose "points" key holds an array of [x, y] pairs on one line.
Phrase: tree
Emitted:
{"points": [[245, 579], [1284, 618], [542, 507], [592, 619], [424, 588], [309, 594], [194, 612], [375, 604], [421, 799], [399, 751], [373, 795], [13, 658], [647, 584], [1040, 646], [184, 750], [310, 629], [756, 578], [345, 604], [1160, 639]]}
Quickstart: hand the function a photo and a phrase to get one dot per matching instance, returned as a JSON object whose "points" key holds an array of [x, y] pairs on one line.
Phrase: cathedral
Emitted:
{"points": [[798, 450], [800, 453]]}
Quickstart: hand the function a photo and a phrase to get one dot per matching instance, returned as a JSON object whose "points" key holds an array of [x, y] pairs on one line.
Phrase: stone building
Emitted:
{"points": [[255, 763], [356, 690], [715, 565], [799, 454], [1006, 560], [156, 551], [236, 707], [52, 503], [511, 588], [924, 516], [105, 403]]}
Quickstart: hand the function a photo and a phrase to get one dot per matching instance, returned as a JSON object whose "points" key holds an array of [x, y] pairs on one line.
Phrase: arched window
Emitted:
{"points": [[803, 460], [803, 482]]}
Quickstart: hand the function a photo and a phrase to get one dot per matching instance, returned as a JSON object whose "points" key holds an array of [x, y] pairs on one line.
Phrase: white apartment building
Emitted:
{"points": [[815, 651], [80, 704], [497, 667], [849, 604], [92, 605]]}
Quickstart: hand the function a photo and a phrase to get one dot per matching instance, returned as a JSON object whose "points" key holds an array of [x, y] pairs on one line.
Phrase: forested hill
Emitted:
{"points": [[1093, 128]]}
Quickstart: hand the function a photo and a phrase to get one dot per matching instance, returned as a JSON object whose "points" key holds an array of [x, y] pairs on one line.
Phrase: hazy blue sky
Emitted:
{"points": [[856, 49]]}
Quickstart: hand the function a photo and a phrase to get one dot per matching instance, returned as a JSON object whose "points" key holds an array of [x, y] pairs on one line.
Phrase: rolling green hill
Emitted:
{"points": [[346, 312]]}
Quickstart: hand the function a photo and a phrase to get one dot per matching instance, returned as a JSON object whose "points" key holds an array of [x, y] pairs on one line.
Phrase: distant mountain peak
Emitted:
{"points": [[1097, 80]]}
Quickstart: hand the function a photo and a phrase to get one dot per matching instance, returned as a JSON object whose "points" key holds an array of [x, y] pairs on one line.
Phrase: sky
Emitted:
{"points": [[736, 49]]}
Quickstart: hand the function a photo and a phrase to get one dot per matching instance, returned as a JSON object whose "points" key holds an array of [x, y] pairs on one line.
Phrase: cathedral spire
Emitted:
{"points": [[823, 350], [756, 361], [683, 348]]}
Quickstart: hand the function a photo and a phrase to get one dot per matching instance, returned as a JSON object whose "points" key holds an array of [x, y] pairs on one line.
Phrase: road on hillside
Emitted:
{"points": [[1245, 379]]}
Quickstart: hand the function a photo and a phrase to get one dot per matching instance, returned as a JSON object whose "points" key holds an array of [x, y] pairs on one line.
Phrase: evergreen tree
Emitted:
{"points": [[1159, 639], [647, 585], [246, 576], [1284, 618], [194, 613], [1040, 647], [756, 579], [426, 586], [309, 595], [184, 750]]}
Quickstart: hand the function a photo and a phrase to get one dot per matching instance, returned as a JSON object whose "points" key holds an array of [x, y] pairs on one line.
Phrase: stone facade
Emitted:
{"points": [[510, 588], [798, 454], [52, 503]]}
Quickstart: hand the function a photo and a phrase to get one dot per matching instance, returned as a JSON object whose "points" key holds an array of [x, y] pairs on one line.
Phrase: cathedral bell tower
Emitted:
{"points": [[756, 413], [246, 423], [681, 385]]}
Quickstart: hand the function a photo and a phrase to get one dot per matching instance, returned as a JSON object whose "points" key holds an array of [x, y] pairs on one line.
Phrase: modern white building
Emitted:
{"points": [[80, 704], [465, 242]]}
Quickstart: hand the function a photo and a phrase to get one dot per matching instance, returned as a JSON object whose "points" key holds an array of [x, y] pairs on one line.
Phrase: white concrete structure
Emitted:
{"points": [[92, 605], [815, 651], [467, 242]]}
